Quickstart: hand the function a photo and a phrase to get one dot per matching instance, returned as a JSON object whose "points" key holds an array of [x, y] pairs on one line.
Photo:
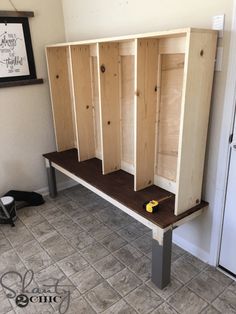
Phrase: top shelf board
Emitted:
{"points": [[170, 33]]}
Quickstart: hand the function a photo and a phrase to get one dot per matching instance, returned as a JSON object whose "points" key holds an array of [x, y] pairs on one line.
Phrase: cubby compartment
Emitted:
{"points": [[171, 62], [96, 100], [117, 97], [139, 104]]}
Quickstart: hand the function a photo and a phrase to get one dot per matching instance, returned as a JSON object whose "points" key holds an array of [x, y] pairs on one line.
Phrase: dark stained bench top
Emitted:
{"points": [[120, 186]]}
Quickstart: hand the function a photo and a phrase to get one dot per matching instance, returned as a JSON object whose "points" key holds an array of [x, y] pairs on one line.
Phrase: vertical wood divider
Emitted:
{"points": [[145, 111], [108, 75], [83, 105], [59, 82]]}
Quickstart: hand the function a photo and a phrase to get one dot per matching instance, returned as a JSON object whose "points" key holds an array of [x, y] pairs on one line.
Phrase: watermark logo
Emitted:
{"points": [[22, 300], [46, 294]]}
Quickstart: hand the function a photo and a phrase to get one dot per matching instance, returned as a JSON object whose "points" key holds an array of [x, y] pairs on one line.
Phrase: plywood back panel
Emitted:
{"points": [[110, 105], [171, 84], [96, 107], [57, 59], [146, 98], [82, 83], [127, 112], [195, 107], [172, 45], [127, 48], [93, 50]]}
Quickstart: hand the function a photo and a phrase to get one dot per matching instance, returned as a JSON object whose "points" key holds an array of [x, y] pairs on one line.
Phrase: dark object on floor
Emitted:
{"points": [[7, 210], [24, 199]]}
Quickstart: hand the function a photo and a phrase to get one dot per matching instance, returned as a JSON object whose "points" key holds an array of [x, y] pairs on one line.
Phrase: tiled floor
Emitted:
{"points": [[102, 256]]}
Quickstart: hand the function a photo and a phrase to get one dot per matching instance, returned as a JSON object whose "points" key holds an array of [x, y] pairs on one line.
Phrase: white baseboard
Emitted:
{"points": [[191, 248], [60, 187]]}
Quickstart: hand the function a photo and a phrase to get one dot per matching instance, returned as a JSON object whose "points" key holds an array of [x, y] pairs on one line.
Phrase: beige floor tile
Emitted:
{"points": [[187, 302], [102, 297], [124, 282], [143, 299]]}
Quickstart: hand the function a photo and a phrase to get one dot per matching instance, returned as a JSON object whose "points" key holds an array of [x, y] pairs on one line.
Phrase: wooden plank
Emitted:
{"points": [[127, 48], [16, 14], [145, 111], [171, 85], [80, 58], [172, 45], [71, 85], [96, 108], [60, 97], [162, 34], [198, 78], [118, 189], [110, 106], [21, 83], [127, 112]]}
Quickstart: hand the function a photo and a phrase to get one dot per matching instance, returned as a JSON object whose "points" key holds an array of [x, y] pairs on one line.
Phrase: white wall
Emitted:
{"points": [[102, 18], [26, 128]]}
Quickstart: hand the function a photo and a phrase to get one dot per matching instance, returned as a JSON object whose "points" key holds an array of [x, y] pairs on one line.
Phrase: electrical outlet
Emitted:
{"points": [[218, 23]]}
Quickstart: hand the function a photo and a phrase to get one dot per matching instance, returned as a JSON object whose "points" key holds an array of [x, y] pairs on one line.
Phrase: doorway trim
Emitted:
{"points": [[224, 148]]}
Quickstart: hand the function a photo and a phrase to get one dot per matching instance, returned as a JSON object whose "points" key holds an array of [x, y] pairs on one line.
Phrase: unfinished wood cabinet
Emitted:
{"points": [[140, 104]]}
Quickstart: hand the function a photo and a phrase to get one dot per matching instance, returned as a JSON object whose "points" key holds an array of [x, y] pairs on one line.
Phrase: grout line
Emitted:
{"points": [[91, 264], [111, 253], [23, 262], [130, 243]]}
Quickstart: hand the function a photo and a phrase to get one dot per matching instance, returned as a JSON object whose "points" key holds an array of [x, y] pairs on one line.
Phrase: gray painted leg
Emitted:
{"points": [[161, 260], [52, 185]]}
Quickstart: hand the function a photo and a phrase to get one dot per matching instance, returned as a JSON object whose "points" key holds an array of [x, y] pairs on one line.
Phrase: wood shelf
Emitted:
{"points": [[16, 14], [21, 83], [119, 186]]}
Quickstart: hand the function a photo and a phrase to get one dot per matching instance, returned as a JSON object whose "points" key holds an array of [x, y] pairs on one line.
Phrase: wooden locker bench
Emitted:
{"points": [[117, 188], [131, 118]]}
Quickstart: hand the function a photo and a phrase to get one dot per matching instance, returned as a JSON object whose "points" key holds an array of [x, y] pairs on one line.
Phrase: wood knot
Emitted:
{"points": [[103, 68]]}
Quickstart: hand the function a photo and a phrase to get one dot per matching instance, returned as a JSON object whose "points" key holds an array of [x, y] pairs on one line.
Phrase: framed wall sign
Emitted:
{"points": [[16, 53]]}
